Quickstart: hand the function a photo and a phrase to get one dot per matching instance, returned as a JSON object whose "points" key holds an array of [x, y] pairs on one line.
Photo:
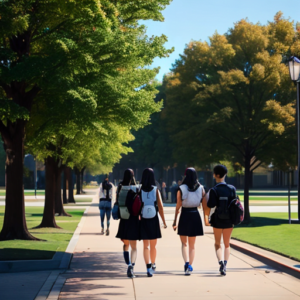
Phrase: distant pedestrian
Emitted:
{"points": [[106, 195], [129, 229], [150, 226], [189, 197], [164, 191], [219, 197], [174, 190]]}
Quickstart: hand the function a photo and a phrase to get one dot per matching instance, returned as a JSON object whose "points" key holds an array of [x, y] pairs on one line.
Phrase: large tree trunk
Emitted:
{"points": [[65, 186], [49, 208], [59, 208], [71, 186], [246, 187], [14, 225]]}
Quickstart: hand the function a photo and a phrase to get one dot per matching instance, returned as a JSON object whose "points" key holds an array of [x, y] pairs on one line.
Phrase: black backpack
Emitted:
{"points": [[224, 201]]}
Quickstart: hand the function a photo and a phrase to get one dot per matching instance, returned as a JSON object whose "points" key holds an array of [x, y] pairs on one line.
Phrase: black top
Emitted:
{"points": [[221, 189]]}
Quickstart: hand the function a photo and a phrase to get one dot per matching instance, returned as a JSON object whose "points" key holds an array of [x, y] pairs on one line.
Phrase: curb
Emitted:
{"points": [[264, 256], [60, 260]]}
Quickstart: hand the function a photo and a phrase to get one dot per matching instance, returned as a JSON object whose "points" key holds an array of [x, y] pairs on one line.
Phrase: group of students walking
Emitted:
{"points": [[146, 225]]}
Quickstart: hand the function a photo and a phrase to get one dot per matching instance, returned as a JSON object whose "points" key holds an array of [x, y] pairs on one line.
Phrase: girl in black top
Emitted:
{"points": [[222, 227], [129, 230]]}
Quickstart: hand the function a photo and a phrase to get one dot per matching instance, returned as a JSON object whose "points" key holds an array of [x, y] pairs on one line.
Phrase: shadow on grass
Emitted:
{"points": [[260, 222], [24, 254]]}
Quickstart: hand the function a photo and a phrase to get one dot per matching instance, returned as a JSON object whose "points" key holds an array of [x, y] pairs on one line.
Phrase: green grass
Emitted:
{"points": [[56, 239], [269, 198], [82, 200], [271, 231], [27, 193]]}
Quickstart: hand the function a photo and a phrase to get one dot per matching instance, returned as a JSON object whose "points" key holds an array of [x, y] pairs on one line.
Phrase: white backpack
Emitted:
{"points": [[149, 208]]}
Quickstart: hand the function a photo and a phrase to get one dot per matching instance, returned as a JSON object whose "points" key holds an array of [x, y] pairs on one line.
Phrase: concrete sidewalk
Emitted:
{"points": [[98, 271]]}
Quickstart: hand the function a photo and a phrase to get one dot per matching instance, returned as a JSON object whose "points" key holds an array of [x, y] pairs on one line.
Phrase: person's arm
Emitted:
{"points": [[160, 207], [206, 209], [177, 209]]}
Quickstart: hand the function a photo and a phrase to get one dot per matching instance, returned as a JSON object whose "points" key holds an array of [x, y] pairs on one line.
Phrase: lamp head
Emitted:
{"points": [[294, 67]]}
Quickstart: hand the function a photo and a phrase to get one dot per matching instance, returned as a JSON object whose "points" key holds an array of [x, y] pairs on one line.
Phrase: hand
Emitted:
{"points": [[165, 226], [207, 223], [174, 226]]}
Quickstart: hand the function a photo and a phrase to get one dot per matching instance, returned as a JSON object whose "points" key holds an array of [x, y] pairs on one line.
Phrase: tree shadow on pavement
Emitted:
{"points": [[89, 274]]}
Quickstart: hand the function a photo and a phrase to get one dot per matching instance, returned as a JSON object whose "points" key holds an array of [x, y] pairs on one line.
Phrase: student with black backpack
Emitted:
{"points": [[129, 226], [220, 197]]}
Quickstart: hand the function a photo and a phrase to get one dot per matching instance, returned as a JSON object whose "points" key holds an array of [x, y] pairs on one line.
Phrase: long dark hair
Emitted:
{"points": [[191, 179], [128, 178], [148, 180]]}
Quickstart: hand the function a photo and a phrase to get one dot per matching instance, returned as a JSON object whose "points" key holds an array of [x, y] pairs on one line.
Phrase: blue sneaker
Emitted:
{"points": [[153, 267], [190, 268], [149, 272]]}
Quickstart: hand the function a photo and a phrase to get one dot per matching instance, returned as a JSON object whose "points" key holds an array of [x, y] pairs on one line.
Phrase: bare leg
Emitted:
{"points": [[184, 248], [147, 252], [153, 250], [226, 238], [218, 235], [133, 251], [192, 241], [125, 245]]}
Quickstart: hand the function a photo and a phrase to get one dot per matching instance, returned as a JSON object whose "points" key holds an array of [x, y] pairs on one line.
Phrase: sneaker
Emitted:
{"points": [[130, 273], [102, 231], [190, 268], [187, 270], [107, 232], [222, 268], [149, 272], [153, 267]]}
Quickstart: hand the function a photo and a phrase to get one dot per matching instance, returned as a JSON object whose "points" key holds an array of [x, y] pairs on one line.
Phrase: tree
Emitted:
{"points": [[52, 45], [232, 99]]}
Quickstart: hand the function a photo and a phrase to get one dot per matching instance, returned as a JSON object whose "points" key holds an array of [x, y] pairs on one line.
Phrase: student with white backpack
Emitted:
{"points": [[150, 226], [189, 198]]}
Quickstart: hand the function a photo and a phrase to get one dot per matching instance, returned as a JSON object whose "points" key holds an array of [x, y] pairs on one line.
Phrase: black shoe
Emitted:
{"points": [[130, 273], [107, 232], [222, 268]]}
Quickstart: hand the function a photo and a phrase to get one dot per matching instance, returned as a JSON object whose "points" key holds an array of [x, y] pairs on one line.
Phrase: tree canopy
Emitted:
{"points": [[232, 98]]}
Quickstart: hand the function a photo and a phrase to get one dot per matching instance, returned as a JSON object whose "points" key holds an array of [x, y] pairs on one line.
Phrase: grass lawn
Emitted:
{"points": [[82, 200], [272, 198], [271, 231], [56, 239], [27, 193]]}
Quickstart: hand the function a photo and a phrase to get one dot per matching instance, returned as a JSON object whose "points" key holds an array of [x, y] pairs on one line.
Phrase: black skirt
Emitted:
{"points": [[190, 223], [129, 229], [216, 222], [150, 229]]}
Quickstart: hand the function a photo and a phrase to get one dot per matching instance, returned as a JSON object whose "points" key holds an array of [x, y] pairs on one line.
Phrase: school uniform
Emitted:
{"points": [[150, 227], [129, 229], [190, 223], [221, 189]]}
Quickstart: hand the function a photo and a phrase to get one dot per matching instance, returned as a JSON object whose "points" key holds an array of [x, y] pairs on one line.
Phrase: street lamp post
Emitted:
{"points": [[294, 67]]}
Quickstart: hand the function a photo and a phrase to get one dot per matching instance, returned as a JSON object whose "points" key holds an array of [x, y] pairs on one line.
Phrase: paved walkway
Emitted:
{"points": [[98, 271]]}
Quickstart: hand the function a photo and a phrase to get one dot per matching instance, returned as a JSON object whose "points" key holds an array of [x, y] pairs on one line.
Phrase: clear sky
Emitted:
{"points": [[187, 20]]}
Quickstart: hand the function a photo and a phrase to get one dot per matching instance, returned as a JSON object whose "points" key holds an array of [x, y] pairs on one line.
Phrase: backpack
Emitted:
{"points": [[115, 212], [223, 204], [149, 209], [133, 203], [236, 211], [122, 195]]}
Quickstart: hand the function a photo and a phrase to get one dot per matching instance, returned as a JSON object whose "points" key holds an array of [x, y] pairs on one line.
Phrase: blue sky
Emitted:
{"points": [[187, 20]]}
